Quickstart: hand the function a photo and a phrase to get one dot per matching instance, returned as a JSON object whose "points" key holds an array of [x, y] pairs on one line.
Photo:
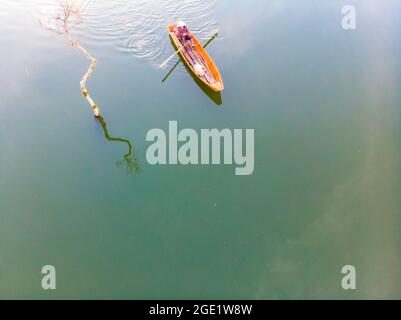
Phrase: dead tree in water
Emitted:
{"points": [[69, 16], [92, 66], [62, 22]]}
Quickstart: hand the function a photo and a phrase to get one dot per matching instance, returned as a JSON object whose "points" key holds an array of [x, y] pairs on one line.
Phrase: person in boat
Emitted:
{"points": [[183, 35]]}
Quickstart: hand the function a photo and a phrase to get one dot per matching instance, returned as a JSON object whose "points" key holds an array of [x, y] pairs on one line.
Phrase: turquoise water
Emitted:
{"points": [[324, 103]]}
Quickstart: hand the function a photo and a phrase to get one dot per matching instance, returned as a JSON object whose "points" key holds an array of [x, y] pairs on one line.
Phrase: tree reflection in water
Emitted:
{"points": [[129, 161]]}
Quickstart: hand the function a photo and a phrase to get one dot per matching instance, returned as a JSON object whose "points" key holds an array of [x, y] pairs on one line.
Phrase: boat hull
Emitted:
{"points": [[198, 55]]}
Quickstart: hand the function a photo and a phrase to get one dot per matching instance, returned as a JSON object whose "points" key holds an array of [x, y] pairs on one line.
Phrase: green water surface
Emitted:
{"points": [[325, 106]]}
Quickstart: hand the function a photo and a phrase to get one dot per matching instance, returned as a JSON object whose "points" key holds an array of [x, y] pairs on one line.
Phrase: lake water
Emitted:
{"points": [[325, 106]]}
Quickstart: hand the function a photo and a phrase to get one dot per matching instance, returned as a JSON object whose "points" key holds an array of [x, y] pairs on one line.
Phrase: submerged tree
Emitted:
{"points": [[67, 16]]}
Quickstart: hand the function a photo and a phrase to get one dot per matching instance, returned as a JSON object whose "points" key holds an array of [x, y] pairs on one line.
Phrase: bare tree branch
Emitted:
{"points": [[70, 16]]}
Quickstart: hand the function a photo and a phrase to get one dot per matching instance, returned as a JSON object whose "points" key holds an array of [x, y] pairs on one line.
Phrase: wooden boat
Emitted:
{"points": [[195, 57]]}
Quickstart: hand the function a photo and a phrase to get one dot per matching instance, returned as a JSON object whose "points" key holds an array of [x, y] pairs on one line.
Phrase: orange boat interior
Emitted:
{"points": [[198, 55]]}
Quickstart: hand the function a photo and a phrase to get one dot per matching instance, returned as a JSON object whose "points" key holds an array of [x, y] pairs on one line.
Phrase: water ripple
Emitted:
{"points": [[136, 27], [139, 27]]}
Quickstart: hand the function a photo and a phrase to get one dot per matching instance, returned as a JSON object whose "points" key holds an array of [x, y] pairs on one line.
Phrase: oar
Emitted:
{"points": [[172, 56], [204, 46]]}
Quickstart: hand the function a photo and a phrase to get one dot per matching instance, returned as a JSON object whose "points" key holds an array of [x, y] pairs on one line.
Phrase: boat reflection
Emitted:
{"points": [[216, 97], [129, 161]]}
